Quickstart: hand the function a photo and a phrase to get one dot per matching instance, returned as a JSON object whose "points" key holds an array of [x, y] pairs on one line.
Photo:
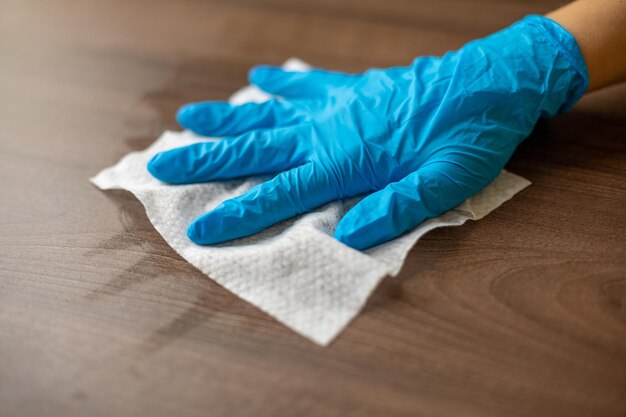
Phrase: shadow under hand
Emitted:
{"points": [[157, 259], [155, 262]]}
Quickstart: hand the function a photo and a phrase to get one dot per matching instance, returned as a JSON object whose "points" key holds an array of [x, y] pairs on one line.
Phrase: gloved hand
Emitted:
{"points": [[421, 138]]}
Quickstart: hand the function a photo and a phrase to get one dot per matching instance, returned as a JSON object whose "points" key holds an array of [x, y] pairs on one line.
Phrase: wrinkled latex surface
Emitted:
{"points": [[420, 139]]}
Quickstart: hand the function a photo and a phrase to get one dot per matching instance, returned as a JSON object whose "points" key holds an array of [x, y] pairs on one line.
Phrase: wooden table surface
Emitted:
{"points": [[520, 314]]}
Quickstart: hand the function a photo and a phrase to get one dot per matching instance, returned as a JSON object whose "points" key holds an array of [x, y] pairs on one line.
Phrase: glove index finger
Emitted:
{"points": [[289, 193]]}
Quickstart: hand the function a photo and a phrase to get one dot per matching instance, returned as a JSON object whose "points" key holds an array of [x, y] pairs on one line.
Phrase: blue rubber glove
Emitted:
{"points": [[421, 139]]}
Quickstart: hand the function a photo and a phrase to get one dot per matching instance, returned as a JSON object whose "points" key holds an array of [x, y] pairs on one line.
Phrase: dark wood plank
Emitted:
{"points": [[520, 314]]}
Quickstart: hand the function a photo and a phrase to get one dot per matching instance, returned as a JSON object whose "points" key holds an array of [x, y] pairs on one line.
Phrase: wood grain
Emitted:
{"points": [[520, 314]]}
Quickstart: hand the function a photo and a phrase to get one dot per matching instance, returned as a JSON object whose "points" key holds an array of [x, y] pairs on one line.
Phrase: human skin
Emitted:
{"points": [[599, 27], [419, 139]]}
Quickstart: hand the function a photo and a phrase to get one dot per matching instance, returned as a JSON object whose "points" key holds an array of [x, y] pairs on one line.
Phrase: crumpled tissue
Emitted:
{"points": [[295, 271]]}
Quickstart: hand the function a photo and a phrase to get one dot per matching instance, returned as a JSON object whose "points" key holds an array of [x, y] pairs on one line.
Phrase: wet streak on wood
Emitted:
{"points": [[520, 314]]}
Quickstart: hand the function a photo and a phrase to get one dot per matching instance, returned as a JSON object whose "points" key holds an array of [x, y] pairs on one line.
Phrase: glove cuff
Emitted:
{"points": [[567, 48]]}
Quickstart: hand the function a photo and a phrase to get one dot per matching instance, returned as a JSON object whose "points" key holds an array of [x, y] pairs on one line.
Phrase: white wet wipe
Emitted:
{"points": [[295, 271]]}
